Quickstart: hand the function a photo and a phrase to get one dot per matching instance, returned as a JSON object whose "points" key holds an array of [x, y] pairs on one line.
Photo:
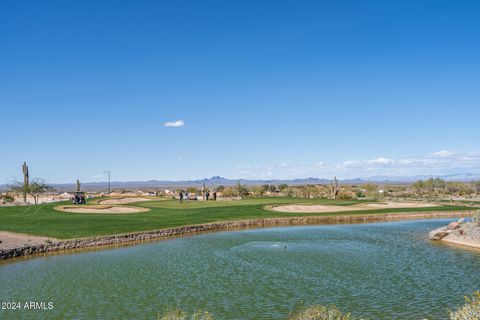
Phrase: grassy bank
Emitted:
{"points": [[44, 220]]}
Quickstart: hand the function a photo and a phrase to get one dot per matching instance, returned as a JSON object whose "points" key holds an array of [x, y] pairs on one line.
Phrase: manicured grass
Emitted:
{"points": [[172, 204], [46, 221]]}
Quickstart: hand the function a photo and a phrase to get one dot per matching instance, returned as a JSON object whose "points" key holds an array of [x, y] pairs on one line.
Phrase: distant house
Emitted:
{"points": [[66, 195]]}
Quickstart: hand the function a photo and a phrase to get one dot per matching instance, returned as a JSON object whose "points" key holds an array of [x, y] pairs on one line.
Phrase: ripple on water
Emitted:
{"points": [[377, 271]]}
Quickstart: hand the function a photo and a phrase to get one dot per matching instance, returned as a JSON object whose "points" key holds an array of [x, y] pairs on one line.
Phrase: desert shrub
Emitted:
{"points": [[177, 314], [470, 310], [318, 312], [6, 198], [230, 192], [360, 194], [345, 196]]}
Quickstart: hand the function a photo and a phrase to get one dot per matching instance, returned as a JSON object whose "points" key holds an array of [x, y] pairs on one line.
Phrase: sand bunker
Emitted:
{"points": [[125, 200], [11, 240], [101, 209], [411, 204], [369, 206]]}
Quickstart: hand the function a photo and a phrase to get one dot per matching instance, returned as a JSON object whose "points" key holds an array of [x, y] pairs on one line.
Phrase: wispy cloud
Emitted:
{"points": [[438, 163], [443, 154], [175, 124]]}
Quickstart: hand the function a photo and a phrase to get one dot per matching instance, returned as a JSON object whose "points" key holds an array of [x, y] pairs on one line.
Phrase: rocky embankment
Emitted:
{"points": [[73, 244], [459, 232]]}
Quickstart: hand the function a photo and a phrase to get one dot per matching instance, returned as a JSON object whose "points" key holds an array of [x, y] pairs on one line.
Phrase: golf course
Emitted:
{"points": [[45, 220], [321, 256]]}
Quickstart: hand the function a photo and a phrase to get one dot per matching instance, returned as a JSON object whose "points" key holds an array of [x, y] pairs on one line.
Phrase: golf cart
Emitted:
{"points": [[78, 197]]}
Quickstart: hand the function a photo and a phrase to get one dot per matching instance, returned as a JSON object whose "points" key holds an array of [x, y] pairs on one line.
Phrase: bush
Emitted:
{"points": [[6, 198], [229, 192], [345, 196], [470, 310], [318, 312]]}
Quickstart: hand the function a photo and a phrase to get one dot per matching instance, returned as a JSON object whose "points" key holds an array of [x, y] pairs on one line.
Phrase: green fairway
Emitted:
{"points": [[46, 221]]}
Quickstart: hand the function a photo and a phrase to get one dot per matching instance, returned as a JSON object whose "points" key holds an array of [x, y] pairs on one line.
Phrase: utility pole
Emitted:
{"points": [[108, 172]]}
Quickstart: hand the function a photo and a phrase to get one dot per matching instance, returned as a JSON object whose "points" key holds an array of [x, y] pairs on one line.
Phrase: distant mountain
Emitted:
{"points": [[216, 181], [460, 177]]}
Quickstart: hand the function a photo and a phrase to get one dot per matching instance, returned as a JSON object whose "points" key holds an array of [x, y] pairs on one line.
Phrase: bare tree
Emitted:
{"points": [[35, 188]]}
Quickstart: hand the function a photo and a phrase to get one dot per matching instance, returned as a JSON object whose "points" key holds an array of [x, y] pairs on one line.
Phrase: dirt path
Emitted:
{"points": [[11, 240]]}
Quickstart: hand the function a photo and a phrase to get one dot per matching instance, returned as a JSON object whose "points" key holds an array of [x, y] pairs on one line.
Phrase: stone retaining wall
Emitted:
{"points": [[178, 231]]}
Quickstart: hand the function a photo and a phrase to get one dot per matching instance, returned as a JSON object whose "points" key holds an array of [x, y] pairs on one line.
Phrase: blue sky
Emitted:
{"points": [[264, 89]]}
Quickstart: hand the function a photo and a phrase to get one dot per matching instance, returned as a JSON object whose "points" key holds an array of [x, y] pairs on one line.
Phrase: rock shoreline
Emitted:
{"points": [[459, 233], [72, 244]]}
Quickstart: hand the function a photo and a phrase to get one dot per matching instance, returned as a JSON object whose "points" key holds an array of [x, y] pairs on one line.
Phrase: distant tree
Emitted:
{"points": [[220, 188], [266, 187], [419, 185], [282, 187], [242, 190], [258, 191], [370, 187], [192, 190], [476, 185], [433, 185], [230, 192], [360, 194], [35, 188], [272, 188]]}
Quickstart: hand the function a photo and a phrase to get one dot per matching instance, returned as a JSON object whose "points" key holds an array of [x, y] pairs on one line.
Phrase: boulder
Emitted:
{"points": [[439, 234], [453, 225]]}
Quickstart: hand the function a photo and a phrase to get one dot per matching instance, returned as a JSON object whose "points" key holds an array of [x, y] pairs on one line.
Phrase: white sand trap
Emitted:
{"points": [[11, 240], [125, 200], [330, 208], [410, 204], [101, 209]]}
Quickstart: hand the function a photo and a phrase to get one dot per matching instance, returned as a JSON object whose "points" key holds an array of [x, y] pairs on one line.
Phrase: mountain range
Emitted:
{"points": [[216, 181]]}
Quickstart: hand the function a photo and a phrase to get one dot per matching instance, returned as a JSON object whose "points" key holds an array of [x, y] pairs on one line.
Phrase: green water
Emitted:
{"points": [[376, 271]]}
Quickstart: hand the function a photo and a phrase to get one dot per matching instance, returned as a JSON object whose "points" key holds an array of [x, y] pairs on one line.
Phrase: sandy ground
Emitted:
{"points": [[368, 206], [11, 240], [101, 209], [125, 200]]}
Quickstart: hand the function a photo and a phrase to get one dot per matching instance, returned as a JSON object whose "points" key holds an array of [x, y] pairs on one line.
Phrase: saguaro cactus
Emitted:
{"points": [[335, 187], [26, 181], [78, 185]]}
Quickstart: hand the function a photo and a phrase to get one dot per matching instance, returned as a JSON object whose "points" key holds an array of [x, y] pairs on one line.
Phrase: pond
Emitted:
{"points": [[376, 271]]}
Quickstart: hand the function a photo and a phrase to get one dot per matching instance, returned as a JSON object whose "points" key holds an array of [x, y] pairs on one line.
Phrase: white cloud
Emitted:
{"points": [[443, 154], [438, 163], [175, 124], [380, 161], [97, 176]]}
